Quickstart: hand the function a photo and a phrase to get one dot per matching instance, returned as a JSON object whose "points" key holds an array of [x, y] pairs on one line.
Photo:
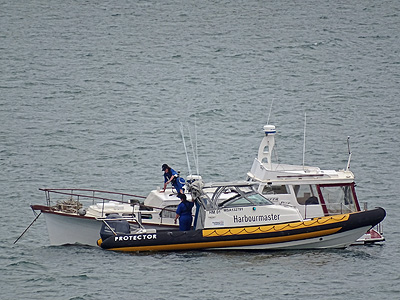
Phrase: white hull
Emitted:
{"points": [[335, 241], [66, 229]]}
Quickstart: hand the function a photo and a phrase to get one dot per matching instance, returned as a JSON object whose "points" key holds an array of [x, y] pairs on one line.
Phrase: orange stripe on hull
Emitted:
{"points": [[274, 228]]}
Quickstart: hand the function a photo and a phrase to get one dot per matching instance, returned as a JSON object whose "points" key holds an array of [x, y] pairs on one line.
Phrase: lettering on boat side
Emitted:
{"points": [[273, 199], [136, 237], [218, 223], [233, 209], [262, 218]]}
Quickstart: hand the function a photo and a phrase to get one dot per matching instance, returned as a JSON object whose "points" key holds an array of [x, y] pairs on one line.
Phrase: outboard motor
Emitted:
{"points": [[195, 185], [193, 180], [119, 226]]}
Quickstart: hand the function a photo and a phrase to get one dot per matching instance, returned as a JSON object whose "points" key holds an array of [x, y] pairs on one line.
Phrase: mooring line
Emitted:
{"points": [[27, 228]]}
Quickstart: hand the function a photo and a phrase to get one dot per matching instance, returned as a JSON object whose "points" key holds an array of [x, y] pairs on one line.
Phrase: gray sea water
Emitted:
{"points": [[92, 95]]}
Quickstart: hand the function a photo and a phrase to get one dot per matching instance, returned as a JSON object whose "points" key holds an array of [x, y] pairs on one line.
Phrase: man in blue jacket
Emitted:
{"points": [[184, 213], [171, 176]]}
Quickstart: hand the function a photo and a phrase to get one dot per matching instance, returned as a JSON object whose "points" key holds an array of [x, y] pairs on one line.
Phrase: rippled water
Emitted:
{"points": [[93, 94]]}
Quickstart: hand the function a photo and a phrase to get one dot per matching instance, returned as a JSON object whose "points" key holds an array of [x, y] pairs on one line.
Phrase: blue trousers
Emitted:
{"points": [[185, 222]]}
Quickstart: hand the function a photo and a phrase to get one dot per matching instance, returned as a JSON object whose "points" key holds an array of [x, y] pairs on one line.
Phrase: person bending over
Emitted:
{"points": [[171, 176]]}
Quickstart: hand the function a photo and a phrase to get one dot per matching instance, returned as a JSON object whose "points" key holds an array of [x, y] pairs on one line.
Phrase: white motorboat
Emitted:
{"points": [[313, 191], [71, 214]]}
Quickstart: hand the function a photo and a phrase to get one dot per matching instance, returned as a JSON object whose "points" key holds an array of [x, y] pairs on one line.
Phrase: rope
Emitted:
{"points": [[27, 228]]}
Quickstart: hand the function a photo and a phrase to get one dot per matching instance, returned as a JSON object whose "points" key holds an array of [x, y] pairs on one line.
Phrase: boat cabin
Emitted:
{"points": [[313, 191]]}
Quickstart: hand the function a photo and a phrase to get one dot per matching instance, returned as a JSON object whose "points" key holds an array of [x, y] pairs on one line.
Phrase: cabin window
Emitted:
{"points": [[168, 211], [306, 194], [338, 198], [274, 189], [147, 216]]}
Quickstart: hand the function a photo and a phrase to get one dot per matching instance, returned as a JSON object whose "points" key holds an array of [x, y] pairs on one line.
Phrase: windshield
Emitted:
{"points": [[248, 199]]}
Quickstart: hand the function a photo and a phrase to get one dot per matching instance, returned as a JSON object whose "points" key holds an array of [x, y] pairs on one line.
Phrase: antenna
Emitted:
{"points": [[196, 158], [304, 142], [184, 145], [348, 147], [270, 110], [193, 150]]}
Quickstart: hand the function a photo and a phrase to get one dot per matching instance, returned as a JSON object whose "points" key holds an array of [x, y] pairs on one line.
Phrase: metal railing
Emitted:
{"points": [[76, 198], [82, 198], [332, 209]]}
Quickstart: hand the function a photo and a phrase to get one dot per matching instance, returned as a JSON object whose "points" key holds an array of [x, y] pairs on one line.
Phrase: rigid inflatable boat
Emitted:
{"points": [[235, 216]]}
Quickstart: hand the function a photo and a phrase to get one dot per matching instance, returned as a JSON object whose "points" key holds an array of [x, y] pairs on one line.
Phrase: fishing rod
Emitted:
{"points": [[304, 142], [184, 145]]}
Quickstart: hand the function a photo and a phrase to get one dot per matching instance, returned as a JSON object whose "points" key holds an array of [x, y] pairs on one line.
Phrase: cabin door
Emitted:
{"points": [[338, 198]]}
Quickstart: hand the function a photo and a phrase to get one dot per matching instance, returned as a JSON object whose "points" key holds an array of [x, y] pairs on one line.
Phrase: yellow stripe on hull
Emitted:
{"points": [[231, 243], [274, 228]]}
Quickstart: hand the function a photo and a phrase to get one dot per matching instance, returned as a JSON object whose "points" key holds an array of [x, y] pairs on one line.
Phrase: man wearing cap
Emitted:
{"points": [[171, 176]]}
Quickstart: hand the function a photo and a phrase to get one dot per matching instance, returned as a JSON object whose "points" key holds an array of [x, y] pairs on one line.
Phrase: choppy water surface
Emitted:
{"points": [[92, 96]]}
